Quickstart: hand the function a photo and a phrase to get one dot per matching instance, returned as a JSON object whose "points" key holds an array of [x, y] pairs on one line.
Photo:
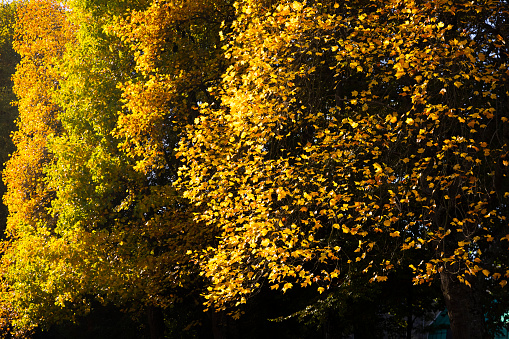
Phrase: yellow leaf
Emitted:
{"points": [[286, 287], [378, 168], [297, 6]]}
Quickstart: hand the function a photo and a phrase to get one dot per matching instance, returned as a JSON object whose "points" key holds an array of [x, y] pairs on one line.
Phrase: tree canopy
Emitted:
{"points": [[171, 148], [350, 134], [8, 60], [87, 223]]}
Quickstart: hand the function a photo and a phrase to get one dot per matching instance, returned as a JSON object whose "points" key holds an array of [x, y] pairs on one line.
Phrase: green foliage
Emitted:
{"points": [[100, 228]]}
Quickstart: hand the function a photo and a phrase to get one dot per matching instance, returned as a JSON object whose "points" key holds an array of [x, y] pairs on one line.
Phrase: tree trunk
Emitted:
{"points": [[155, 322], [465, 310], [410, 309], [218, 327]]}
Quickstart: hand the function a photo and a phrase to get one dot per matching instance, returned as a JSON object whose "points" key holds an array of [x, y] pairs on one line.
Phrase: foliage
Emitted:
{"points": [[351, 133], [8, 58], [35, 79], [89, 224], [315, 144], [178, 55], [40, 46], [8, 113], [134, 229]]}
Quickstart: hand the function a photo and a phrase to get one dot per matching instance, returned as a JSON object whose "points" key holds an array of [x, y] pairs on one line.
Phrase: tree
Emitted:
{"points": [[39, 46], [120, 203], [349, 135], [9, 58], [8, 113], [111, 228]]}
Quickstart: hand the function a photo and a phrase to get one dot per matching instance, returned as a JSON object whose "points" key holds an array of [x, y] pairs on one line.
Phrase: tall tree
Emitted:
{"points": [[351, 133], [8, 113], [111, 228], [133, 80], [41, 34]]}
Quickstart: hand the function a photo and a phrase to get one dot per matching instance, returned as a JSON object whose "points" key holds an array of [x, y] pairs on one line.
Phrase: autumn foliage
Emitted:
{"points": [[89, 225], [286, 144], [28, 195], [350, 133]]}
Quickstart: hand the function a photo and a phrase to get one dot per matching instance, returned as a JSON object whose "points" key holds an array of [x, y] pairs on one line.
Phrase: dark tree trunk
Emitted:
{"points": [[410, 309], [155, 322], [218, 324], [464, 308], [462, 301]]}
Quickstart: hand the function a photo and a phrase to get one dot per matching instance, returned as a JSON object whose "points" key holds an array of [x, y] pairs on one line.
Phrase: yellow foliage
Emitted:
{"points": [[366, 116]]}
